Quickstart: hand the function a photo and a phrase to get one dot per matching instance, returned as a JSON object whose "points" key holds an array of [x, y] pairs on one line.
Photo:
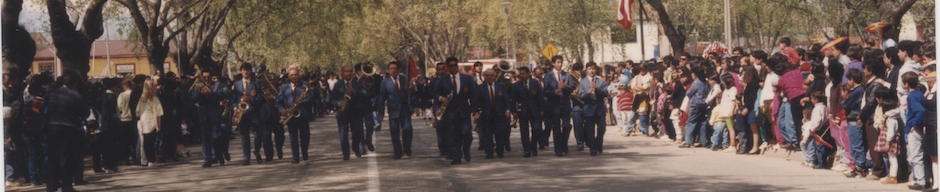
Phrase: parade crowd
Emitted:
{"points": [[867, 110]]}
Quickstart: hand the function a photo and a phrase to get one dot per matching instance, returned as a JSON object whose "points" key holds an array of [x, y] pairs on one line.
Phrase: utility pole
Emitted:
{"points": [[728, 23]]}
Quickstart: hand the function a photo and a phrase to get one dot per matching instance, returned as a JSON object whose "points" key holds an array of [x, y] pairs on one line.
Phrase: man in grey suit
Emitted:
{"points": [[593, 91], [352, 99], [395, 94]]}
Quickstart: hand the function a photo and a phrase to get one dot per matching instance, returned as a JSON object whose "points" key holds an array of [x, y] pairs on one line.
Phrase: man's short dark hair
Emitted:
{"points": [[358, 67], [557, 57], [622, 65], [759, 55], [451, 59], [854, 75], [439, 64], [394, 63], [526, 69], [907, 46], [245, 66], [577, 66], [854, 52], [835, 73], [930, 50], [590, 64], [739, 49], [842, 46], [911, 79], [477, 63], [876, 66], [785, 41]]}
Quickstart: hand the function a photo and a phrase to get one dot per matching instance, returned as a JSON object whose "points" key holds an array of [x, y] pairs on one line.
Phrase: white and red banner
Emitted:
{"points": [[624, 13]]}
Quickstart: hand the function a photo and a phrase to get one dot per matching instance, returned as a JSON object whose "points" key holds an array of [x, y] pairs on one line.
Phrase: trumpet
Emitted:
{"points": [[437, 118]]}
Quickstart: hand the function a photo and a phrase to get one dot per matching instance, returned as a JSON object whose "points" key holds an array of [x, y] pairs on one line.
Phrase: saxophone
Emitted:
{"points": [[576, 78], [346, 97], [242, 107], [294, 110]]}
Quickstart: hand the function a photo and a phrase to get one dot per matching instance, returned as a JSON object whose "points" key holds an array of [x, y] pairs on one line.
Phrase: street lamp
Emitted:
{"points": [[460, 42], [506, 10]]}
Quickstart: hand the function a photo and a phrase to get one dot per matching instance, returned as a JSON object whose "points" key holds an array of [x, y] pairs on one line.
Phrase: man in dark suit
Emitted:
{"points": [[457, 110], [558, 88], [431, 95], [349, 95], [395, 95], [593, 91], [537, 74], [490, 105], [529, 107], [207, 96], [372, 95], [66, 111], [577, 109], [298, 128], [248, 90]]}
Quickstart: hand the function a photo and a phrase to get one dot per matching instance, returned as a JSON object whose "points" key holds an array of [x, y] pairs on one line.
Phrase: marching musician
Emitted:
{"points": [[268, 122], [395, 94], [457, 111], [440, 72], [558, 88], [529, 107], [247, 90], [372, 94], [593, 91], [350, 97], [298, 127], [490, 106], [577, 109], [538, 74], [477, 73], [206, 96]]}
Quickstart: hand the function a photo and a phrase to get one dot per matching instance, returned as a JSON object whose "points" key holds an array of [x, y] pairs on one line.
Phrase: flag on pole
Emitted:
{"points": [[624, 16], [412, 69]]}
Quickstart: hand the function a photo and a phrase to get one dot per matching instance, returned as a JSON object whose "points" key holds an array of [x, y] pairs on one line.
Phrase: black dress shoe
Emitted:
{"points": [[305, 157], [455, 162], [227, 156], [296, 161], [408, 152], [489, 156], [685, 146], [370, 146], [269, 159], [221, 161], [535, 153], [541, 147], [345, 158], [916, 186], [358, 154], [280, 154], [99, 170], [508, 149], [466, 157], [593, 153], [581, 147], [204, 165], [527, 154], [699, 145], [397, 156], [247, 162], [558, 154], [81, 182], [500, 155]]}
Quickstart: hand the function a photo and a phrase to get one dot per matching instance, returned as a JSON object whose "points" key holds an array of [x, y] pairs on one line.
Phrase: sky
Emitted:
{"points": [[35, 18]]}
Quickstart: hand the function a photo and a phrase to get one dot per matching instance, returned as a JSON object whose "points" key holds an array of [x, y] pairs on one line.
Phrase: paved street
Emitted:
{"points": [[628, 164]]}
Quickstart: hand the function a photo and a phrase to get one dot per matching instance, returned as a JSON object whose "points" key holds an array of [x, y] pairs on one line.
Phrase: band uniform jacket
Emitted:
{"points": [[593, 103], [251, 115], [531, 99]]}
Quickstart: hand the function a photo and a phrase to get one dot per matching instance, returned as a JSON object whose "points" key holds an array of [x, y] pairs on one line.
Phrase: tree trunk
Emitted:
{"points": [[891, 11], [74, 47], [19, 48], [675, 36]]}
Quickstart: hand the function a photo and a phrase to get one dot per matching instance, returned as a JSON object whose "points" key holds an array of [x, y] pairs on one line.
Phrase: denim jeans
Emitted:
{"points": [[644, 124], [720, 137], [785, 122], [857, 143], [37, 153], [696, 121], [809, 150], [821, 153], [629, 121]]}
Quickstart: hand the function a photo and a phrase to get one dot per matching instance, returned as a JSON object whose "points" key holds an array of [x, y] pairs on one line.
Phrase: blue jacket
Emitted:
{"points": [[286, 98], [356, 106], [593, 102], [482, 103], [915, 110], [531, 100], [239, 91], [852, 104], [397, 99], [209, 109], [459, 106], [697, 93], [558, 103]]}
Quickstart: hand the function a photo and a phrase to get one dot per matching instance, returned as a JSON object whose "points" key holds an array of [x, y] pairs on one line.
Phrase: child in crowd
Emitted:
{"points": [[720, 136], [889, 135], [726, 108], [676, 116], [625, 108], [741, 126], [813, 123]]}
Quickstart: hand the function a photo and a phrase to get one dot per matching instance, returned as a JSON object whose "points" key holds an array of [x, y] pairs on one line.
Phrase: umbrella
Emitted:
{"points": [[716, 47]]}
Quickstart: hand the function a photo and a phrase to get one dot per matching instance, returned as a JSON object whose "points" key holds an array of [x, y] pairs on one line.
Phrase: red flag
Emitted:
{"points": [[624, 16], [412, 70]]}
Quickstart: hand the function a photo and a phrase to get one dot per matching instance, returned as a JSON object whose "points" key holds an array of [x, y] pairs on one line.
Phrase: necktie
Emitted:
{"points": [[526, 84], [492, 99], [396, 84], [246, 84], [453, 81], [540, 85], [558, 76]]}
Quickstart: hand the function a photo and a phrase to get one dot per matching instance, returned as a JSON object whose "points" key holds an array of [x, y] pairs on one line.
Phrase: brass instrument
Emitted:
{"points": [[346, 98], [242, 107], [576, 78], [294, 110], [200, 80], [266, 86], [368, 69], [437, 118]]}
